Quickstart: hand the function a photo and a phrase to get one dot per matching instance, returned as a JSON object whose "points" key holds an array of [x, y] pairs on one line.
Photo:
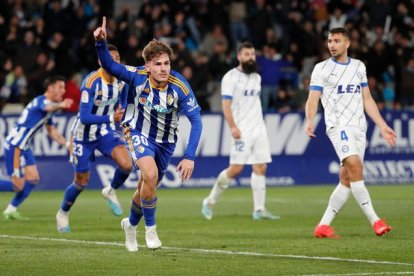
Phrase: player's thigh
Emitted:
{"points": [[163, 154], [240, 150], [148, 168], [82, 156], [347, 141], [121, 157], [106, 144], [260, 150]]}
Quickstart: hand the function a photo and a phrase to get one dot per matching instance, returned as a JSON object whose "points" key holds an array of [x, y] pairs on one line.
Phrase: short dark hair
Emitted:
{"points": [[340, 30], [245, 45], [112, 47], [52, 80]]}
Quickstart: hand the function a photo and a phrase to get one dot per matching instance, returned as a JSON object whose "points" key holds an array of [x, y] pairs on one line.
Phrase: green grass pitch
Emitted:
{"points": [[230, 244]]}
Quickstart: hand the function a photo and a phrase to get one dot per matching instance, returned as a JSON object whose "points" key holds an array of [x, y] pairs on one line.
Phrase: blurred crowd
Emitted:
{"points": [[39, 38]]}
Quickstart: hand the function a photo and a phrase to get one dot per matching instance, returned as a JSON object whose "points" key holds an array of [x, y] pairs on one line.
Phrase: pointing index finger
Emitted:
{"points": [[104, 23]]}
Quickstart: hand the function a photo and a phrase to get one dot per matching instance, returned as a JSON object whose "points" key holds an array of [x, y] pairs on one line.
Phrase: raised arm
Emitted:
{"points": [[372, 110], [114, 68]]}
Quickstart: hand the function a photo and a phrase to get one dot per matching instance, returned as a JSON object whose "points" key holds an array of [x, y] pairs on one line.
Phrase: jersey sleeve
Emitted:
{"points": [[120, 71], [124, 96], [86, 105], [316, 82], [227, 87], [364, 79], [189, 107]]}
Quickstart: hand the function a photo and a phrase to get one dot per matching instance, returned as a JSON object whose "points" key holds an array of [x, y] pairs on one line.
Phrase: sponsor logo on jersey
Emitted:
{"points": [[146, 90], [192, 103], [350, 88], [85, 96]]}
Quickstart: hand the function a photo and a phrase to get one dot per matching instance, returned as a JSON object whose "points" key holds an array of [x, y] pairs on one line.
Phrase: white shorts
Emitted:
{"points": [[348, 141], [251, 149]]}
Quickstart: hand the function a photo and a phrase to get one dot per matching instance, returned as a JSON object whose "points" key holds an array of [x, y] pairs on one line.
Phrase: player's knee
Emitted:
{"points": [[33, 181], [150, 178], [82, 179], [125, 167]]}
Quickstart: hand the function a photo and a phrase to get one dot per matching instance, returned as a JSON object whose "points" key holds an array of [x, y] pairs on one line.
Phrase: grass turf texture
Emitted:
{"points": [[231, 243]]}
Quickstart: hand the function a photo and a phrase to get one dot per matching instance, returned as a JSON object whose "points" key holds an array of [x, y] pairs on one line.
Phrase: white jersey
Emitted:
{"points": [[341, 87], [244, 91]]}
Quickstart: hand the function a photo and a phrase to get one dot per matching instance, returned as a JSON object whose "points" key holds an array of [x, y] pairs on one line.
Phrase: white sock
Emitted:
{"points": [[221, 184], [258, 184], [361, 195], [10, 209], [337, 200]]}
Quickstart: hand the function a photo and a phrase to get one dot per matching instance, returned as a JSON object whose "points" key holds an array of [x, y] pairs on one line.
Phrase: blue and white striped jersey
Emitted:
{"points": [[30, 121], [99, 100], [155, 112], [341, 86]]}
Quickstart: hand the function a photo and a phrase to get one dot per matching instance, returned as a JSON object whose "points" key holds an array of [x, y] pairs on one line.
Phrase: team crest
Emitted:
{"points": [[170, 99], [141, 149], [142, 100]]}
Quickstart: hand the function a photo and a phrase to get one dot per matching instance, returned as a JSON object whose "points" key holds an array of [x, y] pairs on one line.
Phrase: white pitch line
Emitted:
{"points": [[217, 251], [365, 273]]}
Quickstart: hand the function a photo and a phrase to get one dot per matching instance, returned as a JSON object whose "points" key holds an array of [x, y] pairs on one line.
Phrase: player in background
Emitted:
{"points": [[102, 105], [341, 84], [240, 89], [19, 158], [156, 98]]}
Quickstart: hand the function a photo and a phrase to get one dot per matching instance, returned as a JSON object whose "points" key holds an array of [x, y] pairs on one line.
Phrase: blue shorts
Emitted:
{"points": [[16, 159], [83, 152], [139, 146]]}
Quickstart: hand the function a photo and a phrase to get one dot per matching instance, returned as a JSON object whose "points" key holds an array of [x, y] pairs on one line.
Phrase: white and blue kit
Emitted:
{"points": [[152, 114], [244, 92], [94, 127], [17, 153], [341, 87]]}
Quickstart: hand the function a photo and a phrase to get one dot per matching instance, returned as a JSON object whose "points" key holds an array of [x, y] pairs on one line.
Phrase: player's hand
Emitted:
{"points": [[235, 132], [66, 103], [118, 114], [100, 33], [185, 168], [309, 129], [389, 135]]}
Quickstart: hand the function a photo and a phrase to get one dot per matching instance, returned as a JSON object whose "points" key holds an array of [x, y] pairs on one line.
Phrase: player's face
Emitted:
{"points": [[58, 90], [247, 55], [115, 56], [247, 59], [159, 69], [338, 45]]}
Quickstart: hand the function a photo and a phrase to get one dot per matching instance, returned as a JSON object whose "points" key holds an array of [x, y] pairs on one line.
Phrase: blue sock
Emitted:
{"points": [[71, 193], [6, 185], [119, 178], [23, 194], [135, 214], [148, 210]]}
